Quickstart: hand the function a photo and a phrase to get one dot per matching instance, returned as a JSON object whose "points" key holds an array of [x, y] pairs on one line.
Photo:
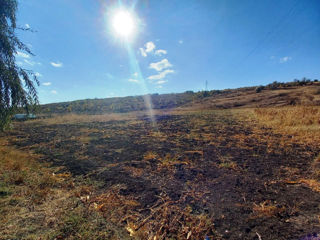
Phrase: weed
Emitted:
{"points": [[267, 209]]}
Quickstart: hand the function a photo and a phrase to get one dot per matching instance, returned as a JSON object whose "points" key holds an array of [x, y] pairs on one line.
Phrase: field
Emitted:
{"points": [[224, 174]]}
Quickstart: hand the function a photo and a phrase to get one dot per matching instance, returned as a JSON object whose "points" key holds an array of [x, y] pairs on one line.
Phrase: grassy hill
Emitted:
{"points": [[305, 92]]}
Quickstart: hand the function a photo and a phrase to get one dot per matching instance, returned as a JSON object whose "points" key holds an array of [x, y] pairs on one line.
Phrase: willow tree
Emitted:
{"points": [[17, 85]]}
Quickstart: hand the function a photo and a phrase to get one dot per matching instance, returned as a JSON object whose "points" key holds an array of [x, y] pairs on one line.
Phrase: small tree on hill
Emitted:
{"points": [[17, 85]]}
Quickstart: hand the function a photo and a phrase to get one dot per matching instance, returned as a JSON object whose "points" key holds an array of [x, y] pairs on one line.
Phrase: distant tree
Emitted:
{"points": [[17, 85], [259, 89]]}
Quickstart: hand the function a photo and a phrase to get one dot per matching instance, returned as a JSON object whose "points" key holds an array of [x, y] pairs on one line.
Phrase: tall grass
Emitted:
{"points": [[297, 116], [302, 122]]}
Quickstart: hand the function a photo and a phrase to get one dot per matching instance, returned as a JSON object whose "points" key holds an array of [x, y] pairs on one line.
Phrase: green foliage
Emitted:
{"points": [[17, 88], [303, 82]]}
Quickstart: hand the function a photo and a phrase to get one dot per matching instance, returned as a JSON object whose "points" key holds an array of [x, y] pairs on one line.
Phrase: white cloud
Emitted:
{"points": [[38, 74], [161, 75], [180, 41], [27, 26], [56, 64], [54, 92], [150, 46], [285, 59], [135, 74], [161, 82], [46, 83], [29, 62], [143, 52], [133, 80], [159, 66], [160, 52], [23, 55]]}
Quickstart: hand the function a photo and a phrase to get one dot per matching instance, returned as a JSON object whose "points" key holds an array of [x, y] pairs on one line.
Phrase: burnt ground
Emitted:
{"points": [[189, 175]]}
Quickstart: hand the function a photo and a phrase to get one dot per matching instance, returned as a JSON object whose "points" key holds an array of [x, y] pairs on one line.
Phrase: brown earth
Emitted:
{"points": [[188, 175], [249, 98]]}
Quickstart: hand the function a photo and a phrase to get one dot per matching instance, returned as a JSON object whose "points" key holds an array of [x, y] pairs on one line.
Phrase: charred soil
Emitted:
{"points": [[187, 176]]}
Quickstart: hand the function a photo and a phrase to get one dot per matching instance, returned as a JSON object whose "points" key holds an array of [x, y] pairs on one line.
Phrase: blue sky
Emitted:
{"points": [[177, 45]]}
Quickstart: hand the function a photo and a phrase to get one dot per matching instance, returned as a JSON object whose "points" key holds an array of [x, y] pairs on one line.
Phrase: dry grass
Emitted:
{"points": [[38, 203], [311, 183], [82, 118], [164, 219], [266, 209], [297, 116], [303, 122]]}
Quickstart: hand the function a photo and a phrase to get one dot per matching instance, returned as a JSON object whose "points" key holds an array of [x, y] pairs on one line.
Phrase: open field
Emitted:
{"points": [[225, 174]]}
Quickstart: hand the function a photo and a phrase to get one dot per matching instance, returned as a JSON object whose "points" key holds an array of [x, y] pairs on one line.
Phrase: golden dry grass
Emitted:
{"points": [[82, 118], [303, 122], [297, 116]]}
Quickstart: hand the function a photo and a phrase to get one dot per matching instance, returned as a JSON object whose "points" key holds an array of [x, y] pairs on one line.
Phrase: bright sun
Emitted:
{"points": [[123, 23]]}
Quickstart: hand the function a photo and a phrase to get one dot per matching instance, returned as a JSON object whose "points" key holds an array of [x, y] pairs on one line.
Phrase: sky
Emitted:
{"points": [[175, 45]]}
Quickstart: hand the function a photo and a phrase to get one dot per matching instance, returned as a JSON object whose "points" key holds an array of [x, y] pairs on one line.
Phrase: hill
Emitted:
{"points": [[299, 92]]}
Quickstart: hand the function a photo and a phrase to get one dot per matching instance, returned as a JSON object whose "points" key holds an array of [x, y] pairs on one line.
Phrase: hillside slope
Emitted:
{"points": [[274, 94], [298, 95]]}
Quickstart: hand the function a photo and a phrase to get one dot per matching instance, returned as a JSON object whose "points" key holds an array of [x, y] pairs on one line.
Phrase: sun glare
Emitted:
{"points": [[123, 23]]}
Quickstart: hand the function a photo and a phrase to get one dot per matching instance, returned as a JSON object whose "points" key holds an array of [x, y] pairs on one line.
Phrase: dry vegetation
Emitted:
{"points": [[197, 174], [41, 202], [300, 121], [226, 174], [281, 97]]}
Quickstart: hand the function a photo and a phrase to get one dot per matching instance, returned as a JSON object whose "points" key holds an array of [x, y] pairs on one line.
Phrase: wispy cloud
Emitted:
{"points": [[37, 74], [31, 63], [148, 48], [143, 52], [22, 55], [180, 41], [133, 80], [56, 64], [54, 92], [161, 82], [46, 83], [160, 52], [135, 74], [159, 66], [161, 75], [285, 59]]}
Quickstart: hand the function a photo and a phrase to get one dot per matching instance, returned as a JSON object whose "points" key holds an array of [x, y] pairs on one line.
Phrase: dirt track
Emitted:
{"points": [[205, 173]]}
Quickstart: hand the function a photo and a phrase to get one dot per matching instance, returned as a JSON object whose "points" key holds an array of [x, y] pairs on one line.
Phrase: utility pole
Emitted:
{"points": [[206, 85]]}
